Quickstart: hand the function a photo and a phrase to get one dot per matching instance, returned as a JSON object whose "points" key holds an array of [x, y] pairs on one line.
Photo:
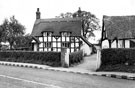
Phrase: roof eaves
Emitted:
{"points": [[35, 39]]}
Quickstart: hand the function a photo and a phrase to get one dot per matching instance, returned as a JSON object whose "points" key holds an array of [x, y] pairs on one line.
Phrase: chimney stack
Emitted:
{"points": [[79, 12], [38, 14]]}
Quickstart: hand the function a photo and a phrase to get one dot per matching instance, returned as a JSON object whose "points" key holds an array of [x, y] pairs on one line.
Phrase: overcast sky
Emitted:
{"points": [[24, 10]]}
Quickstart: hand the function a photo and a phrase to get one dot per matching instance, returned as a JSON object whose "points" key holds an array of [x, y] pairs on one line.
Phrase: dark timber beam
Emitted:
{"points": [[117, 43], [103, 34], [124, 43], [43, 43], [109, 43]]}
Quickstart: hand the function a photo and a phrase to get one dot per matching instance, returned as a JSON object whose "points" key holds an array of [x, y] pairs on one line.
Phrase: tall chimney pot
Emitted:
{"points": [[38, 14]]}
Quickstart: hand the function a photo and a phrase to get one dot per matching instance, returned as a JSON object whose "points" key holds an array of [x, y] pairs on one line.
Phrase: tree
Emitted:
{"points": [[66, 15], [23, 41], [1, 36], [90, 21], [11, 30], [3, 28]]}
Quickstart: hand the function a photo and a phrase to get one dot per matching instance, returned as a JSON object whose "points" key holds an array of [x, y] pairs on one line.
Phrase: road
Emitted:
{"points": [[20, 77]]}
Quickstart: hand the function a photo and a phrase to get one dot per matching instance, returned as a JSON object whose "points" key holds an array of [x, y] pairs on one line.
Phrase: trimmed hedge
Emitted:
{"points": [[46, 58], [75, 57], [118, 59], [118, 56]]}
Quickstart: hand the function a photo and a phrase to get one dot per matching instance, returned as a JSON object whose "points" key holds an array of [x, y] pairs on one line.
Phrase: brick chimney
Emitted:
{"points": [[79, 12], [38, 14]]}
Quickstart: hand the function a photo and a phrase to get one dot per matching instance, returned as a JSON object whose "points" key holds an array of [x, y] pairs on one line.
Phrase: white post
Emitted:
{"points": [[98, 58], [65, 57]]}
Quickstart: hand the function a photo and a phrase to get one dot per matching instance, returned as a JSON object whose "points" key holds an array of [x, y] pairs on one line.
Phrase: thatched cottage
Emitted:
{"points": [[118, 32], [55, 33]]}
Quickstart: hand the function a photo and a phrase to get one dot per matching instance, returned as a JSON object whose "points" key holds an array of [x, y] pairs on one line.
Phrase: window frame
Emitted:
{"points": [[47, 33]]}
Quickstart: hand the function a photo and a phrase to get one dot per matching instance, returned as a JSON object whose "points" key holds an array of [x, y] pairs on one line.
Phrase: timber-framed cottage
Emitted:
{"points": [[55, 33], [118, 31]]}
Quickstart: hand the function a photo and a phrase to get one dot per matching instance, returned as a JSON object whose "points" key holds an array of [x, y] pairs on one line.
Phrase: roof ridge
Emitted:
{"points": [[57, 20], [60, 19], [105, 16]]}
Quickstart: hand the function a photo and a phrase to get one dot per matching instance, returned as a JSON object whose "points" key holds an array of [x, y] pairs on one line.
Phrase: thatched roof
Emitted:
{"points": [[119, 27], [57, 25]]}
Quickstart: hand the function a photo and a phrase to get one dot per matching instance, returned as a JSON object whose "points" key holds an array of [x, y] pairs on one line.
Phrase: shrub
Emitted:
{"points": [[75, 57], [49, 58]]}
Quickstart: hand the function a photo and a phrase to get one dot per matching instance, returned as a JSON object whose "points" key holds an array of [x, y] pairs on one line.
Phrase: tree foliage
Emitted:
{"points": [[23, 41], [3, 28], [10, 30], [90, 21], [66, 15]]}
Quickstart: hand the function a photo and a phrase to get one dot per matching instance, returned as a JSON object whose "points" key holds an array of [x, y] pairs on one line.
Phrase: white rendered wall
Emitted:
{"points": [[113, 45], [86, 49], [35, 47], [127, 44], [105, 44]]}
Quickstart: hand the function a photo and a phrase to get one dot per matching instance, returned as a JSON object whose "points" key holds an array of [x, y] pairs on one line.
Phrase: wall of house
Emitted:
{"points": [[56, 43], [35, 47], [86, 49], [127, 43], [132, 43], [120, 44], [113, 45], [48, 42], [105, 44]]}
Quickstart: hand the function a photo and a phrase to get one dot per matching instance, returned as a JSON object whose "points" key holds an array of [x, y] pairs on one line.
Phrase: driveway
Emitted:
{"points": [[89, 63]]}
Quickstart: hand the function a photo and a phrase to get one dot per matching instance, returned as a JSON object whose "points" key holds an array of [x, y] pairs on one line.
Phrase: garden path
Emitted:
{"points": [[89, 63]]}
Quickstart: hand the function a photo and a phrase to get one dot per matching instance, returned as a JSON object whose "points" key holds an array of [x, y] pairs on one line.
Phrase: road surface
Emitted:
{"points": [[20, 77]]}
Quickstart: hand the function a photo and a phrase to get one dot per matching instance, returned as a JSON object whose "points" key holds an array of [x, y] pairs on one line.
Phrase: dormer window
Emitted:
{"points": [[49, 34], [65, 33]]}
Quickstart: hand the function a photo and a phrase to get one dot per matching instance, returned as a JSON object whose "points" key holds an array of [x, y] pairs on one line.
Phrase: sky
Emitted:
{"points": [[24, 10]]}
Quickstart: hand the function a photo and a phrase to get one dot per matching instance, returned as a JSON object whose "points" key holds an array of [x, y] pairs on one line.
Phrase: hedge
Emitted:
{"points": [[118, 56], [45, 58], [117, 59], [75, 57]]}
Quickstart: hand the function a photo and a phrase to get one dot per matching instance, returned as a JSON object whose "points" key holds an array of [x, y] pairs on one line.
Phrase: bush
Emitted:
{"points": [[46, 58], [75, 57]]}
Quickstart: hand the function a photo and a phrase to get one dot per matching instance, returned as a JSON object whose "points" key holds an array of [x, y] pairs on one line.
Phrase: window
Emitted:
{"points": [[65, 33], [41, 45], [40, 39], [47, 33], [40, 49], [66, 44], [48, 44], [72, 39]]}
